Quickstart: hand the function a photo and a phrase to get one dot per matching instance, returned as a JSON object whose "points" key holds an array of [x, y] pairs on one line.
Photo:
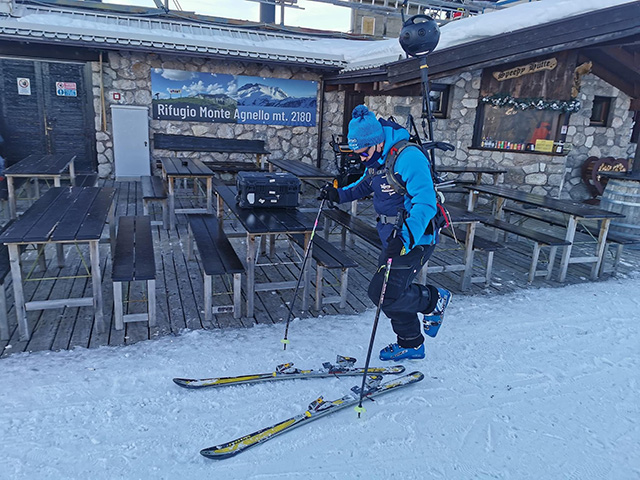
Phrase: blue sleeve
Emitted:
{"points": [[358, 189], [414, 169]]}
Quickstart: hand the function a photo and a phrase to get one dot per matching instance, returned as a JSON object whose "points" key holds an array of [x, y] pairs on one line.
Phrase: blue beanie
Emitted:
{"points": [[364, 129]]}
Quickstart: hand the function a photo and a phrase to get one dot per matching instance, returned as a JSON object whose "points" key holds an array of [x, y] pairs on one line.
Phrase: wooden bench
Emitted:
{"points": [[557, 220], [480, 244], [86, 180], [191, 143], [540, 239], [361, 229], [218, 258], [154, 190], [369, 234], [328, 257], [133, 260]]}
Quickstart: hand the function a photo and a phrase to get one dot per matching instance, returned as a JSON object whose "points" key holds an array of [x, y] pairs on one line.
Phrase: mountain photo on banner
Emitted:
{"points": [[217, 97]]}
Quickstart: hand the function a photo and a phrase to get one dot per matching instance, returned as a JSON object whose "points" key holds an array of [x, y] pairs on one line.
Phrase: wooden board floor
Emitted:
{"points": [[180, 292]]}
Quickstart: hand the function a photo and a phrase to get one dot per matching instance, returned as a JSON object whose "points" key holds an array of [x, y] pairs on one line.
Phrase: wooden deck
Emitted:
{"points": [[180, 289]]}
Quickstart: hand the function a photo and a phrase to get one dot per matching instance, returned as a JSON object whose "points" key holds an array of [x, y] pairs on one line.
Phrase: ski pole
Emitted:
{"points": [[304, 263], [360, 408]]}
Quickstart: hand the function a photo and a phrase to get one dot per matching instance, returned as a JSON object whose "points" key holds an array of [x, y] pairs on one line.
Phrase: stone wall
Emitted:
{"points": [[333, 119], [587, 141], [555, 175], [130, 75]]}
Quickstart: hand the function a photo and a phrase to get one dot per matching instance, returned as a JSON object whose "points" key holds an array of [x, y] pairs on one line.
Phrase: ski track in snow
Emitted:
{"points": [[538, 384]]}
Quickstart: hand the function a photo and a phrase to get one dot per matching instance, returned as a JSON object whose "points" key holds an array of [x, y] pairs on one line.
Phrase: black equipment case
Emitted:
{"points": [[267, 189]]}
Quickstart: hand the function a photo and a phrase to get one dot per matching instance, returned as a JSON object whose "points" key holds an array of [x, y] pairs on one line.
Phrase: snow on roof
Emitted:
{"points": [[99, 28], [487, 25]]}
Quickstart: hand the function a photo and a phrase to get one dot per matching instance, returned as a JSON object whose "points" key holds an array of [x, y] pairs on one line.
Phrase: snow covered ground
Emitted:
{"points": [[542, 384]]}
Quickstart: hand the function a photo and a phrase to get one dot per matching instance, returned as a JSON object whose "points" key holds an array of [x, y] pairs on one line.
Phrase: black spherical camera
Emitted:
{"points": [[419, 35]]}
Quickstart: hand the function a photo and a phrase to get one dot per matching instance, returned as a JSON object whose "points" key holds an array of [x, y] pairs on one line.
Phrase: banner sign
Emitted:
{"points": [[219, 97]]}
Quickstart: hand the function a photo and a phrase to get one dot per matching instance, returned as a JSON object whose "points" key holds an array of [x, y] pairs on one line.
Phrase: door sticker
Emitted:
{"points": [[24, 86], [66, 89]]}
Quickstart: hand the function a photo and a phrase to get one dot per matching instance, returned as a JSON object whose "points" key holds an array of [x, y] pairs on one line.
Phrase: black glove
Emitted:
{"points": [[330, 193], [394, 245]]}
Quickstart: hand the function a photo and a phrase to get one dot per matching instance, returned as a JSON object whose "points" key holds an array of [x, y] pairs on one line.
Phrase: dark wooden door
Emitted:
{"points": [[56, 116]]}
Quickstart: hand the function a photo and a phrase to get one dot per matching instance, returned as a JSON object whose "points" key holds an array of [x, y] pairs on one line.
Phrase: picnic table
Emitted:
{"points": [[263, 222], [38, 167], [175, 168], [476, 171], [576, 212], [63, 215], [303, 171]]}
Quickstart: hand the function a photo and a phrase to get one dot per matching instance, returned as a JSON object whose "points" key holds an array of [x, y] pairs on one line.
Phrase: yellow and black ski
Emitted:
{"points": [[344, 367], [318, 408]]}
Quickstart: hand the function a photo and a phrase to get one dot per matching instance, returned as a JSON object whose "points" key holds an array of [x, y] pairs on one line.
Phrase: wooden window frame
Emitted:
{"points": [[442, 110], [604, 120]]}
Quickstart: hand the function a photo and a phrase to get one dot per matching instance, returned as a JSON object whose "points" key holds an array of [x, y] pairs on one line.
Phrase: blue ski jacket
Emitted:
{"points": [[412, 166]]}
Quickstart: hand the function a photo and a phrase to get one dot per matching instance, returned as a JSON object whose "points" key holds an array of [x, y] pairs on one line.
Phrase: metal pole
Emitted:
{"points": [[285, 340], [359, 408]]}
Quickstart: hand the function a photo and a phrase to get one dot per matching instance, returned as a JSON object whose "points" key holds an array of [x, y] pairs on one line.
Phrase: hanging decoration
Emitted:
{"points": [[502, 100]]}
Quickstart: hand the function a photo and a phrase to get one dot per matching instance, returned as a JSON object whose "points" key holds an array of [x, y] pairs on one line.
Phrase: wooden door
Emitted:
{"points": [[45, 108]]}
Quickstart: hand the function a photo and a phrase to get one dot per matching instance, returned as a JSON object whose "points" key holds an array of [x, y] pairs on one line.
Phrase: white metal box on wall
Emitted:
{"points": [[130, 141]]}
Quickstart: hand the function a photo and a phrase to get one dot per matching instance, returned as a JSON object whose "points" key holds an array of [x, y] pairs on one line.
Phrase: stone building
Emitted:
{"points": [[107, 54]]}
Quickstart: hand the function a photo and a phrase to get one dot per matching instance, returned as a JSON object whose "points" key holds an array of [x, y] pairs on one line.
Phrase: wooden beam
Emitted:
{"points": [[623, 57], [611, 78]]}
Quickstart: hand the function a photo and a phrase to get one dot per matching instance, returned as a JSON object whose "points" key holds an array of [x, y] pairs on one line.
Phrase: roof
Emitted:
{"points": [[616, 27], [102, 29]]}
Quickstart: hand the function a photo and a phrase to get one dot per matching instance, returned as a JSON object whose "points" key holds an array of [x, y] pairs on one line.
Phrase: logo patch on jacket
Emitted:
{"points": [[387, 189]]}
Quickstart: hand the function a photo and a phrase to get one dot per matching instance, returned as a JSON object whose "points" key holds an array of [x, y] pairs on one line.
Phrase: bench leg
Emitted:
{"points": [[189, 242], [616, 260], [145, 207], [96, 285], [534, 262], [42, 258], [4, 322], [60, 255], [552, 259], [117, 305], [165, 214], [151, 300], [251, 273], [237, 295], [319, 277], [489, 271], [344, 284], [422, 275], [208, 298]]}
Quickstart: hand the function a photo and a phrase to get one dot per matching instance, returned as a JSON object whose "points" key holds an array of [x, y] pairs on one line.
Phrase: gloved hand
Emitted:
{"points": [[394, 245], [330, 193]]}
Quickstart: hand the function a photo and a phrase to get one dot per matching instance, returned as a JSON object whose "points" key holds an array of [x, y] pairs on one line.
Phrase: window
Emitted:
{"points": [[511, 128], [600, 113], [439, 100], [368, 26]]}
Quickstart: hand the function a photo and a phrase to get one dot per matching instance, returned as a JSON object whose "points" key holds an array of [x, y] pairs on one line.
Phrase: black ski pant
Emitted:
{"points": [[403, 299]]}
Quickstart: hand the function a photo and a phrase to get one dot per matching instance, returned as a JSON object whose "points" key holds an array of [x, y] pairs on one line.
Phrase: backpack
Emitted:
{"points": [[442, 218]]}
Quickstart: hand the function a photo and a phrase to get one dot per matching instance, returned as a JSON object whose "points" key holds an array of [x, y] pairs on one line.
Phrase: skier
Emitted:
{"points": [[403, 221]]}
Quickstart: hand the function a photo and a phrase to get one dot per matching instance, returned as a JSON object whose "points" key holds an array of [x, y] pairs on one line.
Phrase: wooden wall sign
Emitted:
{"points": [[534, 67], [593, 166], [550, 78]]}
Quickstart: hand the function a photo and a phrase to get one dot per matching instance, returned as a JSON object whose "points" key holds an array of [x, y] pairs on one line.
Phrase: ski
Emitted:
{"points": [[318, 408], [344, 367]]}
